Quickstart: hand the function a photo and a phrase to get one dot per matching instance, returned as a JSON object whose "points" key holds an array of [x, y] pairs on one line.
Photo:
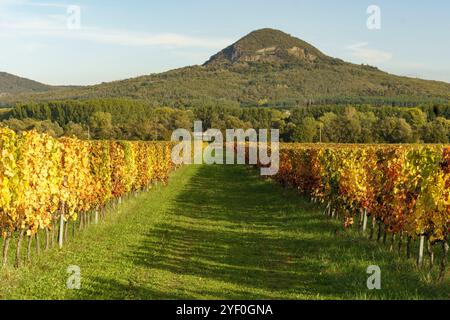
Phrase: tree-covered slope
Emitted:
{"points": [[13, 84], [266, 67]]}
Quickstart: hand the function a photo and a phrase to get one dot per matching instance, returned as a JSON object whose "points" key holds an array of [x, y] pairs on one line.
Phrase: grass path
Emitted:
{"points": [[218, 232]]}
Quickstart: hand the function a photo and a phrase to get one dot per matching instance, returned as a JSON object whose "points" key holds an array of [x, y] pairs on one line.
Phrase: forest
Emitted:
{"points": [[127, 119]]}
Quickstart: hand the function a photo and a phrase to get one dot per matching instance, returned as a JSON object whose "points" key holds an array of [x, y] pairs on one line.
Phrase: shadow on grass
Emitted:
{"points": [[232, 235]]}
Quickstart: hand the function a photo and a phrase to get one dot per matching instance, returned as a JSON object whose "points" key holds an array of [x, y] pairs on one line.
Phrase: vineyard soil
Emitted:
{"points": [[219, 232]]}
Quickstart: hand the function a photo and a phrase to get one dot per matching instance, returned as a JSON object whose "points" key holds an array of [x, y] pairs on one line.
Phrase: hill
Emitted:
{"points": [[267, 45], [11, 84], [265, 68]]}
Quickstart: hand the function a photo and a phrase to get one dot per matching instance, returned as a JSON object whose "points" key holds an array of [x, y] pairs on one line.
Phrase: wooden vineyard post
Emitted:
{"points": [[364, 228], [30, 240], [66, 230], [384, 234], [61, 226], [80, 225], [361, 217], [52, 234], [408, 247], [400, 242], [421, 247], [379, 231], [430, 252], [38, 246], [5, 249], [19, 246], [327, 209], [445, 248], [47, 239], [391, 248], [372, 230]]}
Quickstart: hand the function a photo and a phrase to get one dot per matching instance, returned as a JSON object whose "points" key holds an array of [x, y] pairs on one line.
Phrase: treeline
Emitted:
{"points": [[139, 120], [368, 124]]}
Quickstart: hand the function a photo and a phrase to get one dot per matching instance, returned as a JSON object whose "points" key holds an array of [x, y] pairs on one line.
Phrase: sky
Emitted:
{"points": [[80, 42]]}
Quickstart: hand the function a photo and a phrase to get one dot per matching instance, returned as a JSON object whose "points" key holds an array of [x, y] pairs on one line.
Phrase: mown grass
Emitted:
{"points": [[219, 232]]}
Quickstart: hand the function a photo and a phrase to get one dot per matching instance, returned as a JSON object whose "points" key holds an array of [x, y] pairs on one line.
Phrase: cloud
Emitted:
{"points": [[33, 4], [54, 26], [363, 53], [47, 4], [9, 2], [43, 28], [26, 24], [126, 38]]}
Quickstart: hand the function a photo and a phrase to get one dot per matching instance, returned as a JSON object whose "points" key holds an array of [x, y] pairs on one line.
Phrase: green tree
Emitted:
{"points": [[437, 131], [100, 125], [307, 131], [395, 130], [330, 127], [368, 121], [76, 130], [349, 126]]}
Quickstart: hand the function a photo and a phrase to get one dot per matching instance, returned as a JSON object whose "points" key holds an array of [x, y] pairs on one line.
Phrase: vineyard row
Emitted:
{"points": [[46, 182], [401, 191]]}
